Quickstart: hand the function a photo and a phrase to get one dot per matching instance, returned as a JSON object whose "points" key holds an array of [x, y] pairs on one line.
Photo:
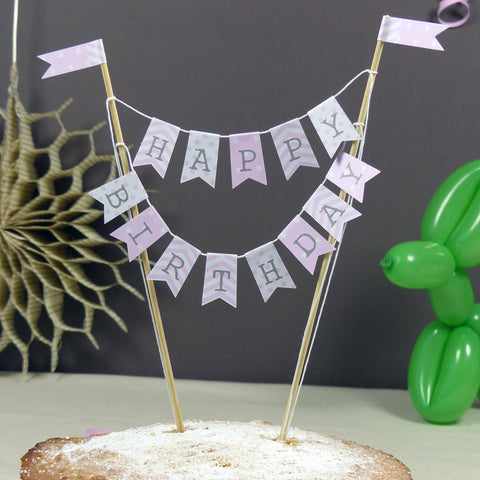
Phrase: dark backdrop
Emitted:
{"points": [[246, 65]]}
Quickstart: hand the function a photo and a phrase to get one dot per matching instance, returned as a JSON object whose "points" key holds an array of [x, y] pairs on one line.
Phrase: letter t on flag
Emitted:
{"points": [[74, 58]]}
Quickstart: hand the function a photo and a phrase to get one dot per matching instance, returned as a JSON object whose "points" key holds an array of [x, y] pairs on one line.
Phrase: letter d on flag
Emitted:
{"points": [[74, 58]]}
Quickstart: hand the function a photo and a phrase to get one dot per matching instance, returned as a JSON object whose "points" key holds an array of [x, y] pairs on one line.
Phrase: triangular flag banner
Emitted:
{"points": [[350, 174], [330, 211], [220, 278], [332, 125], [175, 264], [141, 231], [293, 148], [201, 158], [305, 243], [74, 58], [157, 146], [246, 158], [412, 33], [119, 195], [268, 270]]}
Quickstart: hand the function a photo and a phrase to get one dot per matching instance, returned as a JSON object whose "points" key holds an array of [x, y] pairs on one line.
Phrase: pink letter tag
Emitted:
{"points": [[246, 158], [268, 270], [330, 211], [74, 58], [141, 232], [350, 174], [305, 243], [201, 158], [293, 148], [332, 125], [220, 278], [175, 264], [412, 33], [157, 146], [119, 195]]}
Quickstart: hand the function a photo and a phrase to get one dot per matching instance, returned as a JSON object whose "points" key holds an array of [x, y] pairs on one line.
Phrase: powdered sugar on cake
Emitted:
{"points": [[221, 450]]}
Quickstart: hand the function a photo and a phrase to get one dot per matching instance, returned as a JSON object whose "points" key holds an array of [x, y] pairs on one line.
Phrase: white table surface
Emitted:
{"points": [[41, 406]]}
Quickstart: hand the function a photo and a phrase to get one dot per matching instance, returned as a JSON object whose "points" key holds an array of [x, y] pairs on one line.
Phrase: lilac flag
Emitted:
{"points": [[246, 158], [220, 278], [412, 33], [119, 195], [201, 158], [268, 270], [157, 146], [175, 264], [74, 58], [141, 232], [330, 211], [305, 243], [332, 125], [293, 148], [350, 174]]}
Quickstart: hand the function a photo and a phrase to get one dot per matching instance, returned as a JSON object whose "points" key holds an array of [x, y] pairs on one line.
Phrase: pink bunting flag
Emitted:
{"points": [[246, 158], [157, 146], [268, 270], [201, 158], [293, 148], [330, 211], [175, 264], [74, 58], [332, 125], [141, 232], [220, 278], [412, 33], [305, 243], [350, 174], [119, 195]]}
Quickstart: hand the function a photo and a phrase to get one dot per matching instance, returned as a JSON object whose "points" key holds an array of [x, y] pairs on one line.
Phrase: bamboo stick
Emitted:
{"points": [[145, 263], [307, 336]]}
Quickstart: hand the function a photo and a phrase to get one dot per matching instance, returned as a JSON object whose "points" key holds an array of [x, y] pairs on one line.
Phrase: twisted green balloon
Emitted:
{"points": [[444, 371]]}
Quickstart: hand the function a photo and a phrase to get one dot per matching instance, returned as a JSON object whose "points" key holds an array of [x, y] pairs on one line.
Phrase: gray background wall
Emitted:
{"points": [[243, 65]]}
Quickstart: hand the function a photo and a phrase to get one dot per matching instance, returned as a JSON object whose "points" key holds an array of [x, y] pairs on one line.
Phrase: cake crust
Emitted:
{"points": [[208, 450]]}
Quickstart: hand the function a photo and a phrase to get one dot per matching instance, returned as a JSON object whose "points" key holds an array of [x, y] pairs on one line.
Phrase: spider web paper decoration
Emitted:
{"points": [[47, 236]]}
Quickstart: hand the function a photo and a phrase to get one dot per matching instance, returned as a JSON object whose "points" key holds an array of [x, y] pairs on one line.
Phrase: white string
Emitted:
{"points": [[14, 32], [335, 257], [363, 72]]}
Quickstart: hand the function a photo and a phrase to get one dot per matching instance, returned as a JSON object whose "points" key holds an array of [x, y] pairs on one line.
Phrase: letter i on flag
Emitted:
{"points": [[412, 33], [74, 58], [141, 232]]}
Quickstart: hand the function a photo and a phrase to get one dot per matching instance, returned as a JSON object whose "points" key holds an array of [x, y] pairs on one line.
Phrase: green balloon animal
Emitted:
{"points": [[444, 370]]}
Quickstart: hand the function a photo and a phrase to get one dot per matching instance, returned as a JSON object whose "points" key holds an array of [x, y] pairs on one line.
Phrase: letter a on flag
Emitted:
{"points": [[74, 58], [175, 264], [330, 211], [412, 33], [119, 195]]}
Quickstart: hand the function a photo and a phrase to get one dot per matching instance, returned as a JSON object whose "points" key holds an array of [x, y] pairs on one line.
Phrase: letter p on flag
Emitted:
{"points": [[74, 58]]}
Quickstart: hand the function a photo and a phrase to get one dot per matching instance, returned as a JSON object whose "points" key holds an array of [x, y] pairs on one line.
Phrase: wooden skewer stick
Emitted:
{"points": [[145, 263], [307, 336]]}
